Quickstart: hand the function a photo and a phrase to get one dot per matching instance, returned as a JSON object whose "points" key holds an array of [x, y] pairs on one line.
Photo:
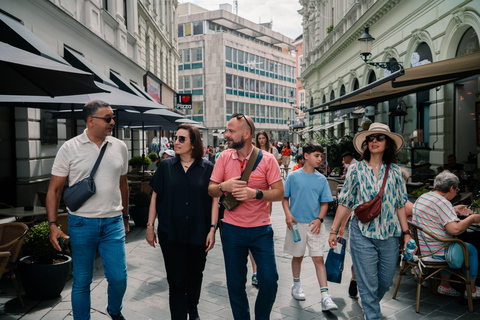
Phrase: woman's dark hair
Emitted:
{"points": [[195, 139], [287, 145], [265, 134], [311, 147], [90, 109], [389, 155]]}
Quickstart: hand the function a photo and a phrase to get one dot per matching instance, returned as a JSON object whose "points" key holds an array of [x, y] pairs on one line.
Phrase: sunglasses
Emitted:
{"points": [[107, 119], [239, 116], [378, 137], [181, 139]]}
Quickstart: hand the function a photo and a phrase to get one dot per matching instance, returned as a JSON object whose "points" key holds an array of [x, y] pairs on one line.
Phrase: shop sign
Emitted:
{"points": [[184, 101], [154, 89]]}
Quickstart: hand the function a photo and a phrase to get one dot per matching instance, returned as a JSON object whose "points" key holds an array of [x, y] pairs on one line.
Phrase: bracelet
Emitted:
{"points": [[53, 222], [318, 218], [404, 233], [335, 233], [149, 224], [334, 230]]}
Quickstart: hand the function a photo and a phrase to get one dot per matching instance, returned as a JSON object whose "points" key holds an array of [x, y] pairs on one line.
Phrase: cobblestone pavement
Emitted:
{"points": [[147, 293]]}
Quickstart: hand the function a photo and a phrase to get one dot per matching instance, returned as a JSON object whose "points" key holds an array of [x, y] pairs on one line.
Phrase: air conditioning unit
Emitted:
{"points": [[370, 111]]}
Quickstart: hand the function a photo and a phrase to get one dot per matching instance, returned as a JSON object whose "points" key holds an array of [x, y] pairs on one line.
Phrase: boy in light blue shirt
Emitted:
{"points": [[305, 203]]}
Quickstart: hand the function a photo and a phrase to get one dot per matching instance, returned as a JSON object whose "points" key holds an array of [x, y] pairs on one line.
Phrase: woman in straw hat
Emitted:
{"points": [[374, 244]]}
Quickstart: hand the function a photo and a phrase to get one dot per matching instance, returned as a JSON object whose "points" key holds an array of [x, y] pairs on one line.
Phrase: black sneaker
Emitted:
{"points": [[193, 314], [114, 316], [352, 288]]}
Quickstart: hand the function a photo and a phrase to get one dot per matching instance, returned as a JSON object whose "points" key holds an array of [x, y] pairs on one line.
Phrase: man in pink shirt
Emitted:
{"points": [[247, 226]]}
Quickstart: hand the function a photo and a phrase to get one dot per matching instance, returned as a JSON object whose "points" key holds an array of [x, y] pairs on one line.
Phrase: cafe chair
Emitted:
{"points": [[4, 256], [12, 236], [426, 268], [334, 185]]}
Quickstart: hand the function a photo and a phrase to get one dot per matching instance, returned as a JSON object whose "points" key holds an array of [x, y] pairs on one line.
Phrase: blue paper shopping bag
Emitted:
{"points": [[335, 260]]}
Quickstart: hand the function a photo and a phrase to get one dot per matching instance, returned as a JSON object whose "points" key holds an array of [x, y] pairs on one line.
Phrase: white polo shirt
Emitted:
{"points": [[76, 159]]}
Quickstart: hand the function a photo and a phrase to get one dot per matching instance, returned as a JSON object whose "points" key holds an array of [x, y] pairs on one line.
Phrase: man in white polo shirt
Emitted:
{"points": [[102, 221]]}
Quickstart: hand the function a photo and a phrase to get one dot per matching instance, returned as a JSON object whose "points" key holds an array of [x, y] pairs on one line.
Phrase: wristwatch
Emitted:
{"points": [[259, 194], [321, 219]]}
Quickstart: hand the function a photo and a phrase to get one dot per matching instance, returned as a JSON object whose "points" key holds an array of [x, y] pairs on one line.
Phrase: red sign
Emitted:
{"points": [[154, 89]]}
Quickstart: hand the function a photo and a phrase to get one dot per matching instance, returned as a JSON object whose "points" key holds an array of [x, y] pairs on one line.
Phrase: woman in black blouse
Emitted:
{"points": [[186, 219]]}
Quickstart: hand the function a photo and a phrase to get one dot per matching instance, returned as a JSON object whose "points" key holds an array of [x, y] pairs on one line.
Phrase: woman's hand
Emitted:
{"points": [[151, 237], [332, 240], [210, 240]]}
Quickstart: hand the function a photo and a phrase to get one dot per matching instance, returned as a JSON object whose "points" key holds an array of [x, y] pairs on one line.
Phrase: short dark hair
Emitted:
{"points": [[300, 157], [311, 147], [347, 154], [389, 155], [91, 108], [195, 139]]}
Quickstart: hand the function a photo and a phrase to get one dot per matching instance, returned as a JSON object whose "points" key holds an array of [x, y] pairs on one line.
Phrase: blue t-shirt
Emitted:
{"points": [[306, 192]]}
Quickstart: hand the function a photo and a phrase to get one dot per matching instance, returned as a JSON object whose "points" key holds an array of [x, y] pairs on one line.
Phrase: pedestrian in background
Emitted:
{"points": [[286, 153], [247, 226], [187, 218], [101, 223], [374, 244], [305, 203]]}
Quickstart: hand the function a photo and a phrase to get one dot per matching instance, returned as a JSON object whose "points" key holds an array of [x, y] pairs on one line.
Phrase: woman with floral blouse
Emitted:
{"points": [[374, 244]]}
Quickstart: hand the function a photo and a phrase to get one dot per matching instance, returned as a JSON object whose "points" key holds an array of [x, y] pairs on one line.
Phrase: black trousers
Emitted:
{"points": [[184, 264]]}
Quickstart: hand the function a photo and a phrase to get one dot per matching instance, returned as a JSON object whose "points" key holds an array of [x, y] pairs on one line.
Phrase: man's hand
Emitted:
{"points": [[56, 233], [289, 219], [126, 225], [229, 185], [316, 226]]}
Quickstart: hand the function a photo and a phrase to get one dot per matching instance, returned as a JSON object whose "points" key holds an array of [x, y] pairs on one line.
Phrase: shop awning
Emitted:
{"points": [[404, 82], [79, 61], [15, 34]]}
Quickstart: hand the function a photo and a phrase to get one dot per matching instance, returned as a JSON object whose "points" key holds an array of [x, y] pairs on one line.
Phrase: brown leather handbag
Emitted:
{"points": [[368, 211]]}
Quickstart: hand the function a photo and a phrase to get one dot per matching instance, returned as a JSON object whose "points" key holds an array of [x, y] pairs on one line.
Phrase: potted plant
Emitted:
{"points": [[137, 161], [153, 156], [418, 192], [43, 270], [139, 211], [475, 206]]}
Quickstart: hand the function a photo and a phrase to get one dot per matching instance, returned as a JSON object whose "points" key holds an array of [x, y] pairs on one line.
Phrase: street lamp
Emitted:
{"points": [[366, 41]]}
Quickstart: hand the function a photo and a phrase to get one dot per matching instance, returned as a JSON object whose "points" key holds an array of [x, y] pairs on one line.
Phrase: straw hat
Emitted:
{"points": [[377, 128]]}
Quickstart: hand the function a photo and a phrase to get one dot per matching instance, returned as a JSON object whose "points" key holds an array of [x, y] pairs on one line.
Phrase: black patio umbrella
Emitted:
{"points": [[24, 73]]}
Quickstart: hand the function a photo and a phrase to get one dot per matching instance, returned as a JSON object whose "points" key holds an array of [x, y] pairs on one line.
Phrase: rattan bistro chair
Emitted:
{"points": [[429, 268], [4, 257], [12, 236]]}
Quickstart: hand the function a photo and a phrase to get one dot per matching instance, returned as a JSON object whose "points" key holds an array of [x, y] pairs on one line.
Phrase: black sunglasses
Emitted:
{"points": [[107, 119], [181, 139], [379, 137], [240, 116]]}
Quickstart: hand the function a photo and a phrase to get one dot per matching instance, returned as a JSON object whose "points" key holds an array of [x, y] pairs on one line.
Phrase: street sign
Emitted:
{"points": [[184, 101]]}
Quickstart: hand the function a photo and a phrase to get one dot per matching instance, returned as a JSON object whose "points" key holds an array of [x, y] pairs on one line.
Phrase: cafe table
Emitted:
{"points": [[21, 213]]}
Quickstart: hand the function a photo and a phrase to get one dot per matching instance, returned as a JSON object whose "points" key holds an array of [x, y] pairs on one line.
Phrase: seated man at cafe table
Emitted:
{"points": [[434, 211], [453, 166]]}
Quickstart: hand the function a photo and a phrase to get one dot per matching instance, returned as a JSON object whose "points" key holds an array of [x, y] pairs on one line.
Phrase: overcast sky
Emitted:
{"points": [[286, 19]]}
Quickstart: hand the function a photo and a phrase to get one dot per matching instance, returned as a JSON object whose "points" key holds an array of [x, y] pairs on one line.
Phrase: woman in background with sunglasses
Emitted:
{"points": [[374, 244], [187, 218]]}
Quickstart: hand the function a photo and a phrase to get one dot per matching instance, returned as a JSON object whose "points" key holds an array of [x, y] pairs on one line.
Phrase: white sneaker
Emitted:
{"points": [[297, 292], [328, 304]]}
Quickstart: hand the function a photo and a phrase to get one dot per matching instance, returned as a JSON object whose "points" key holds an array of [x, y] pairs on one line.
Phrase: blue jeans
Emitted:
{"points": [[236, 243], [86, 236], [374, 263]]}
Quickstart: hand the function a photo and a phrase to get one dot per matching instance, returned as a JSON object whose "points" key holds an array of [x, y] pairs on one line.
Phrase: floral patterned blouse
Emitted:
{"points": [[361, 186]]}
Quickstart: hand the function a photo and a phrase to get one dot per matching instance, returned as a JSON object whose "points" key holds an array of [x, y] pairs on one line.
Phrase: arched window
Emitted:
{"points": [[332, 95], [356, 84], [342, 90], [468, 44], [372, 77], [324, 99]]}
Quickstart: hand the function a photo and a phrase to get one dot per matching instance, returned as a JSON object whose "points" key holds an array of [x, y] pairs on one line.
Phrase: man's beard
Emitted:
{"points": [[237, 145]]}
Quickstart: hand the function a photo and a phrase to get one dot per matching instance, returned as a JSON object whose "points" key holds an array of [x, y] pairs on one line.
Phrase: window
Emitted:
{"points": [[235, 82], [262, 63], [197, 81], [211, 26], [180, 83], [228, 53], [229, 107], [186, 56], [234, 55], [252, 110], [188, 29], [125, 13], [228, 80], [240, 57], [187, 82], [197, 54], [180, 30], [180, 58], [198, 28], [241, 83], [198, 107]]}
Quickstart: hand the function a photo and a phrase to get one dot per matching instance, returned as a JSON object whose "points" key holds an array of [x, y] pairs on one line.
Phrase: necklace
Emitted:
{"points": [[187, 164]]}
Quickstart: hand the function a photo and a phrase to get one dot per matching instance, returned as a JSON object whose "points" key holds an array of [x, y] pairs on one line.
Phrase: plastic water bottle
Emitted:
{"points": [[408, 254], [295, 233]]}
